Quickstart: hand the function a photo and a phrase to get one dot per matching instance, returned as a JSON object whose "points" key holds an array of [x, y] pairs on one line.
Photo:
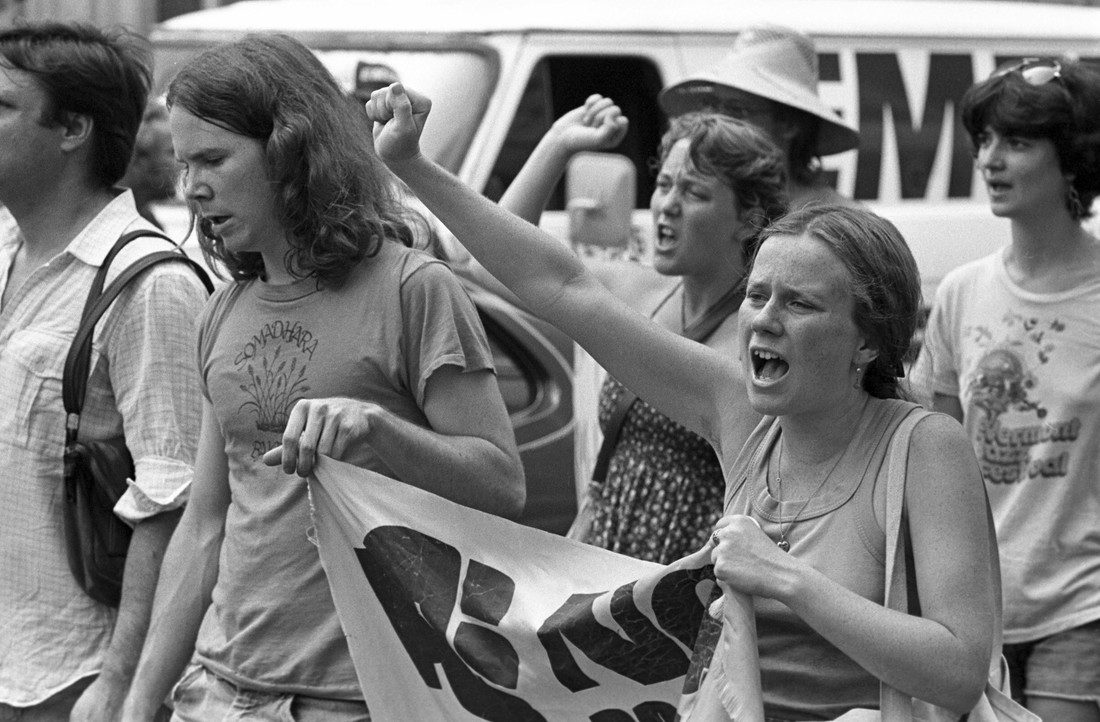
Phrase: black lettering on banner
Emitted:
{"points": [[882, 89], [673, 600], [416, 580], [705, 644], [575, 613], [647, 655], [486, 595]]}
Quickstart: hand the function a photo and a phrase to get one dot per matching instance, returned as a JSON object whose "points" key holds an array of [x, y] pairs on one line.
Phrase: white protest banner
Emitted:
{"points": [[454, 615]]}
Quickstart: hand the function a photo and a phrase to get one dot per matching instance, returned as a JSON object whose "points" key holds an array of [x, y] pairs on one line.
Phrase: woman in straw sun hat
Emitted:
{"points": [[769, 79]]}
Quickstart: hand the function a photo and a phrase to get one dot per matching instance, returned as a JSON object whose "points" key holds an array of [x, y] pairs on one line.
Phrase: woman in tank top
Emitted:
{"points": [[657, 487], [832, 298]]}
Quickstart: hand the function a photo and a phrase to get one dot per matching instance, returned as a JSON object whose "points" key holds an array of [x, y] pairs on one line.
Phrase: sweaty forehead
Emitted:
{"points": [[677, 162], [800, 261]]}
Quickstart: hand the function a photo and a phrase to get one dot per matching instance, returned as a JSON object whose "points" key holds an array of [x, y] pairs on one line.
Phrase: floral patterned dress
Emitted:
{"points": [[664, 488]]}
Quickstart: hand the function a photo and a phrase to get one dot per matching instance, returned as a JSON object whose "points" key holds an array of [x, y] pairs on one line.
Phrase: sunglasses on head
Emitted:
{"points": [[1034, 71]]}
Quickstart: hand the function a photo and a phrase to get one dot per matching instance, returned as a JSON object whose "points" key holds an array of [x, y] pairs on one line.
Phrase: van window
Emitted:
{"points": [[560, 83]]}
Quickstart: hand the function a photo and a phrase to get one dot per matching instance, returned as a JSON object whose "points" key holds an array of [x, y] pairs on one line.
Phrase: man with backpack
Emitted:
{"points": [[71, 101]]}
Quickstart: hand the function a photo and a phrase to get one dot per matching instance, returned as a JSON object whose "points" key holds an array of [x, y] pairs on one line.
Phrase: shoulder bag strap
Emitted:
{"points": [[901, 583], [101, 274], [699, 331], [897, 552], [75, 377], [896, 706]]}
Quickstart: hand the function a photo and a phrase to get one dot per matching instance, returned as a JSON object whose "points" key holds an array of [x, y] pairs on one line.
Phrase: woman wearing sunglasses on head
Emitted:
{"points": [[1013, 351]]}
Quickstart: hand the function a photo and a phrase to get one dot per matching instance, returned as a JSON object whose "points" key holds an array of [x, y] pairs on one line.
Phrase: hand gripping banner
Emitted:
{"points": [[452, 614]]}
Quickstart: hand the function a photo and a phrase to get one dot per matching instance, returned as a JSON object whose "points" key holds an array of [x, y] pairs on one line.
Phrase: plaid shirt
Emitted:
{"points": [[143, 385]]}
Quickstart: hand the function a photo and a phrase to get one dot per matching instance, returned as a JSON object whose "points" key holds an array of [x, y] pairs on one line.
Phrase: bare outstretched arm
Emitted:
{"points": [[685, 380], [596, 125]]}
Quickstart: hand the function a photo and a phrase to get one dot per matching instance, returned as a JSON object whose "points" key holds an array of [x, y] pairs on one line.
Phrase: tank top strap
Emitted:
{"points": [[667, 297], [885, 421], [863, 458], [752, 455]]}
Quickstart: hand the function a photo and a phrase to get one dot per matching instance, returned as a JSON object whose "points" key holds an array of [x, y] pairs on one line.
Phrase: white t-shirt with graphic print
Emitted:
{"points": [[1026, 368]]}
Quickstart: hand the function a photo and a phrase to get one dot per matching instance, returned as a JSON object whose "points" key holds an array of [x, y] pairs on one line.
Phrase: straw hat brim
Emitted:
{"points": [[834, 136]]}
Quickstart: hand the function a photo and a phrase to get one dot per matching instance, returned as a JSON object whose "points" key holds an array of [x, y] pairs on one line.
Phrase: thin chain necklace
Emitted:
{"points": [[783, 543]]}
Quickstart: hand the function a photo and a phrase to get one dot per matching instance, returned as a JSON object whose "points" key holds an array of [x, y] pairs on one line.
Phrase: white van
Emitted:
{"points": [[500, 71]]}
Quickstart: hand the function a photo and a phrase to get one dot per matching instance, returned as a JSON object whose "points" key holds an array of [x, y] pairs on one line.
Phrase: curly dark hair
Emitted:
{"points": [[883, 280], [334, 196], [738, 154], [85, 70], [1065, 110]]}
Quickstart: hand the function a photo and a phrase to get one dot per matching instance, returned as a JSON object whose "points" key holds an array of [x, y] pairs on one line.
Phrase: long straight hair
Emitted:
{"points": [[334, 197]]}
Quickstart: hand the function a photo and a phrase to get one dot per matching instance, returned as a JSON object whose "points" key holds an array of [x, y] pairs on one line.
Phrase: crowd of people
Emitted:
{"points": [[759, 373]]}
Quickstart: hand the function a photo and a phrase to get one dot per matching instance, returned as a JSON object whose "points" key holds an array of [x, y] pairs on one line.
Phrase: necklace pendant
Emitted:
{"points": [[784, 545]]}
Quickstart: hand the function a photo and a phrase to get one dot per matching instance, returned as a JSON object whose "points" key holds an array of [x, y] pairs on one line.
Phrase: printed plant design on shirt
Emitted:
{"points": [[1017, 439], [275, 361]]}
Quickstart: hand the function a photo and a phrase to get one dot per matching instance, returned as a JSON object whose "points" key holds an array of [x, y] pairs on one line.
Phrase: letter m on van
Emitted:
{"points": [[884, 105]]}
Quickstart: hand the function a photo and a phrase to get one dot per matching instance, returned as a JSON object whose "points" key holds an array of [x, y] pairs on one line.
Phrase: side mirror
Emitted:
{"points": [[599, 191]]}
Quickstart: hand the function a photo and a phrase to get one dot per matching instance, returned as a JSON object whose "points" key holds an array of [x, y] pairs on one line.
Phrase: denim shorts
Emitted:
{"points": [[202, 696], [1064, 665]]}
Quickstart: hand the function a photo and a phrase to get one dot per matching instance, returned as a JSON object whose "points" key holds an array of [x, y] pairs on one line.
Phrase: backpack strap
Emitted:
{"points": [[75, 378]]}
